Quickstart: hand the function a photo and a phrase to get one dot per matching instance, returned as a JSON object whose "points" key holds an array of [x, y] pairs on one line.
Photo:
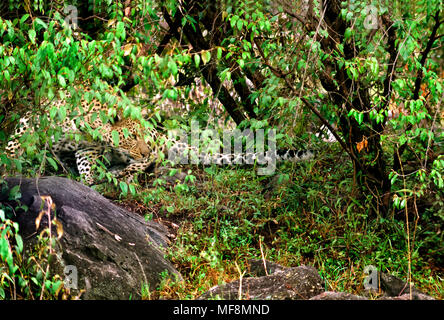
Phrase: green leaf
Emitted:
{"points": [[223, 74], [301, 65], [115, 137], [393, 179], [62, 112], [71, 75], [354, 72], [120, 30], [171, 94], [7, 75], [18, 165], [106, 71], [347, 34], [402, 204], [53, 112], [11, 33], [374, 66], [233, 21], [4, 247], [55, 286], [39, 22], [360, 117], [15, 193], [52, 163], [24, 18], [19, 243], [123, 187], [261, 24], [239, 24], [172, 66], [136, 113], [31, 35], [197, 60], [62, 80], [132, 189]]}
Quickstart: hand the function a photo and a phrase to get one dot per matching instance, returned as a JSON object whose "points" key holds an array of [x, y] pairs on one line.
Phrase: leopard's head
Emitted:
{"points": [[131, 138]]}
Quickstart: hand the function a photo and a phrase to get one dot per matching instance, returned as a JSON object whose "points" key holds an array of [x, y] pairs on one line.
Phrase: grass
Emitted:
{"points": [[310, 217]]}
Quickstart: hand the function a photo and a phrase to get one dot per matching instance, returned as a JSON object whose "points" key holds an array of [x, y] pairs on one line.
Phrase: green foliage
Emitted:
{"points": [[380, 89], [26, 275]]}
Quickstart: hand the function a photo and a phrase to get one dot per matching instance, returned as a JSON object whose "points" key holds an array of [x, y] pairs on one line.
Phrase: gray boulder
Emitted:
{"points": [[261, 268], [395, 287], [331, 295], [114, 251], [415, 296], [297, 283]]}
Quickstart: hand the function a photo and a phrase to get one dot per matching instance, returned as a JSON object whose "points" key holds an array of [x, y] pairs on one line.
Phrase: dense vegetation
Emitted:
{"points": [[371, 74]]}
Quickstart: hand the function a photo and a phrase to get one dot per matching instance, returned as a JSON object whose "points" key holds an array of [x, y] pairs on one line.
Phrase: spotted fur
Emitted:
{"points": [[181, 153], [87, 151]]}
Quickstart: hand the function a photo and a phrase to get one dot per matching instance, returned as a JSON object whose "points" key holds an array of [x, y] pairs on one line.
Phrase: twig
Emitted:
{"points": [[241, 275], [409, 256], [263, 257]]}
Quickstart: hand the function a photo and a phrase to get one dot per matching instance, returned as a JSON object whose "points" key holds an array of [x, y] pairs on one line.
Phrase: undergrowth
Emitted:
{"points": [[27, 273], [306, 214]]}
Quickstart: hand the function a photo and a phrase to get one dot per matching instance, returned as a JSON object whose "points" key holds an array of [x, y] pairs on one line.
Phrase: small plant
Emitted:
{"points": [[26, 274]]}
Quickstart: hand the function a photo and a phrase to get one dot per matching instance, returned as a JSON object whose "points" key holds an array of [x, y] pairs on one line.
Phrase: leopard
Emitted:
{"points": [[87, 148], [138, 148]]}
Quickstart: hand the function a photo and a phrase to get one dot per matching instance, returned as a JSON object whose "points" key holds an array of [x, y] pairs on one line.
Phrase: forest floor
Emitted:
{"points": [[307, 213]]}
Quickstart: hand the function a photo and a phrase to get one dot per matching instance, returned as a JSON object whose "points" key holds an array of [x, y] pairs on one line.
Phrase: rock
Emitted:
{"points": [[296, 283], [331, 295], [113, 250], [395, 287], [415, 296], [257, 267]]}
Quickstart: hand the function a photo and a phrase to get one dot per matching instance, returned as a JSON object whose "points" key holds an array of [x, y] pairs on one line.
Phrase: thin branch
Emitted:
{"points": [[398, 153], [392, 59], [198, 42], [332, 130]]}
